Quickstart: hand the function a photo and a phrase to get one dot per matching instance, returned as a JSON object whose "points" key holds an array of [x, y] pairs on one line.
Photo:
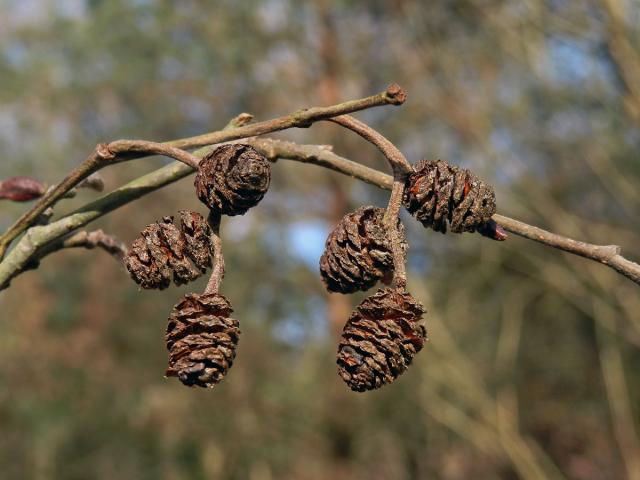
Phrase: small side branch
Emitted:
{"points": [[322, 156], [609, 255], [393, 95], [217, 272], [394, 156], [123, 150], [82, 239], [90, 240]]}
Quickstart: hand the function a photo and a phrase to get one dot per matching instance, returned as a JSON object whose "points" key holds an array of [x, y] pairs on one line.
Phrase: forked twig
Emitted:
{"points": [[122, 150], [401, 168]]}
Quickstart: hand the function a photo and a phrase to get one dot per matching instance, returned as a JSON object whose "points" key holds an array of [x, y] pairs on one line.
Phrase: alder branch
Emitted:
{"points": [[123, 150], [39, 236], [102, 156], [609, 255], [37, 239]]}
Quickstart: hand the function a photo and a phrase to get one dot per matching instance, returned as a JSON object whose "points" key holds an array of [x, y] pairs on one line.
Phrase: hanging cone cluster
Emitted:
{"points": [[164, 252], [232, 179], [380, 339], [358, 252], [201, 339], [437, 193]]}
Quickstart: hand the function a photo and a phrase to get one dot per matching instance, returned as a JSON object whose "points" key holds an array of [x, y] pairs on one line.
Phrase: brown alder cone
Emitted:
{"points": [[437, 193], [164, 252], [233, 178], [201, 339], [380, 339], [358, 252]]}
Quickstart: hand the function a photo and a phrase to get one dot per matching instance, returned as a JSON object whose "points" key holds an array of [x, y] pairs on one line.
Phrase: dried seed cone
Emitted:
{"points": [[164, 252], [437, 193], [201, 339], [380, 339], [358, 251], [233, 178]]}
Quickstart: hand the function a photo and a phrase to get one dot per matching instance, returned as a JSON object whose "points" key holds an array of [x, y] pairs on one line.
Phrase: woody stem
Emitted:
{"points": [[217, 273], [391, 221]]}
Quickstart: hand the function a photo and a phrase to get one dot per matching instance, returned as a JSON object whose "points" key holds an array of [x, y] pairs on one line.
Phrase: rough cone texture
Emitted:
{"points": [[358, 252], [201, 339], [437, 193], [380, 339], [165, 252], [232, 179]]}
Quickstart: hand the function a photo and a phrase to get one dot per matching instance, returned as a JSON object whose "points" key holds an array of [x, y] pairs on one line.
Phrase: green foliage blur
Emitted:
{"points": [[532, 366]]}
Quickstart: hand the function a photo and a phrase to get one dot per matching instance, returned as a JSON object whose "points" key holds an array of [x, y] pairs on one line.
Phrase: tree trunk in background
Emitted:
{"points": [[338, 306]]}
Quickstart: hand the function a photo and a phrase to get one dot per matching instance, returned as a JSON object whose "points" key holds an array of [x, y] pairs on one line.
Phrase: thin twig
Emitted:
{"points": [[88, 240], [82, 239], [115, 152], [391, 220], [609, 255], [217, 272], [124, 150], [322, 156], [395, 157]]}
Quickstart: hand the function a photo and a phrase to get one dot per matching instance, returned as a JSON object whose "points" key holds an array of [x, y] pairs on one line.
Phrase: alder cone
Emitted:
{"points": [[437, 193], [202, 339], [233, 178], [358, 251], [380, 339], [164, 252]]}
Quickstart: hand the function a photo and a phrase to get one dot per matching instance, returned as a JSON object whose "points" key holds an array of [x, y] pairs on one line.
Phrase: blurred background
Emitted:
{"points": [[532, 366]]}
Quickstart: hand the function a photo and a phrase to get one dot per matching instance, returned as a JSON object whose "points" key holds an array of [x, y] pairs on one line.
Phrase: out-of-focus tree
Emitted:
{"points": [[528, 373]]}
